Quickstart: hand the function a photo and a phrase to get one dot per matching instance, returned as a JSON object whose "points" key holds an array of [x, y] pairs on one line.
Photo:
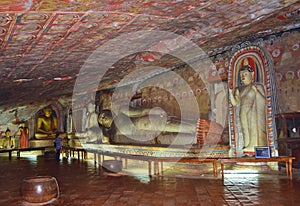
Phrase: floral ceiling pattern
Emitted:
{"points": [[44, 44]]}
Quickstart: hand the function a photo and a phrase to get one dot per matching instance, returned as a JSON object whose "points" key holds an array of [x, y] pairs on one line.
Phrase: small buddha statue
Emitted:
{"points": [[47, 125], [8, 141]]}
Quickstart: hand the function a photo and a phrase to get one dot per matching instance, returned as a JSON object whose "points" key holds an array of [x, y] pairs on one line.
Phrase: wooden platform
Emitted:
{"points": [[9, 151], [157, 162], [42, 149], [19, 150], [99, 157], [155, 156], [214, 162], [288, 162], [70, 151], [153, 162]]}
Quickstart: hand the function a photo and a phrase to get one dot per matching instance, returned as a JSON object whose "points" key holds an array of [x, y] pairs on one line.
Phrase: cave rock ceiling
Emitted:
{"points": [[44, 44]]}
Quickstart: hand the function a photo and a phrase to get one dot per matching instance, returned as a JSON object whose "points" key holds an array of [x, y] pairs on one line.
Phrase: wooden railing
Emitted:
{"points": [[158, 161]]}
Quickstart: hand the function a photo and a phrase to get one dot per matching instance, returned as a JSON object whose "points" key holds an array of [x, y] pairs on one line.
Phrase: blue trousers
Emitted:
{"points": [[57, 154]]}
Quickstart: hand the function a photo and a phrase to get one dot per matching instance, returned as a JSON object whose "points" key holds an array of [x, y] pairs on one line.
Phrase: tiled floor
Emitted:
{"points": [[83, 183]]}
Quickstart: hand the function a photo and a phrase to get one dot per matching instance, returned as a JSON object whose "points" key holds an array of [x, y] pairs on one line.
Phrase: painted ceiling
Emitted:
{"points": [[45, 43]]}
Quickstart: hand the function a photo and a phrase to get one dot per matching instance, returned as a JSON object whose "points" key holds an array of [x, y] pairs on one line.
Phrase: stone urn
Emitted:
{"points": [[113, 166], [39, 190]]}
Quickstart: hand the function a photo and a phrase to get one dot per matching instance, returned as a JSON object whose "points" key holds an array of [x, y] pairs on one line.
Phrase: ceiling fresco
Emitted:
{"points": [[44, 44]]}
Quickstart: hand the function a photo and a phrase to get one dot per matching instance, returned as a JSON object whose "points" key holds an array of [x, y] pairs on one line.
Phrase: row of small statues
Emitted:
{"points": [[47, 127], [18, 140]]}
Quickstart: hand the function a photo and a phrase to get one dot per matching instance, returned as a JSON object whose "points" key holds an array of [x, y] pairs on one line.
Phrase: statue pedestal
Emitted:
{"points": [[76, 141], [47, 141], [41, 143]]}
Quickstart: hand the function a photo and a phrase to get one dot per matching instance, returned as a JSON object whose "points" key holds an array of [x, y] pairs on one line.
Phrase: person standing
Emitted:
{"points": [[58, 146]]}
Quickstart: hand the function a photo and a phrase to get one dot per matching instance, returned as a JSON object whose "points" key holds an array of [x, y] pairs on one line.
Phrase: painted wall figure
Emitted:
{"points": [[289, 91], [251, 99], [298, 89]]}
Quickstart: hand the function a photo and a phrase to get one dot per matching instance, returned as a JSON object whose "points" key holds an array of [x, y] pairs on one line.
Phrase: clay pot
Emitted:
{"points": [[114, 166], [40, 189]]}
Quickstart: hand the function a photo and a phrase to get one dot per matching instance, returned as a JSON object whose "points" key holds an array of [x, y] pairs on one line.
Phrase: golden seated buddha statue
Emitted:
{"points": [[47, 125]]}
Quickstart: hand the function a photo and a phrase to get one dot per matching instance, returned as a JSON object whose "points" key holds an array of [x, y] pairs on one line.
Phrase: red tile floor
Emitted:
{"points": [[84, 183]]}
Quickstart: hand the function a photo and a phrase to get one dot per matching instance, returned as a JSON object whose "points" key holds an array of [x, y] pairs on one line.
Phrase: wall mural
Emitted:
{"points": [[149, 97], [284, 50], [158, 96], [226, 66], [288, 91], [164, 94]]}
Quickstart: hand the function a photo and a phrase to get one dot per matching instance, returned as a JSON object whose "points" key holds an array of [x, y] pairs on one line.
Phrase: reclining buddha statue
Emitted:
{"points": [[144, 126]]}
